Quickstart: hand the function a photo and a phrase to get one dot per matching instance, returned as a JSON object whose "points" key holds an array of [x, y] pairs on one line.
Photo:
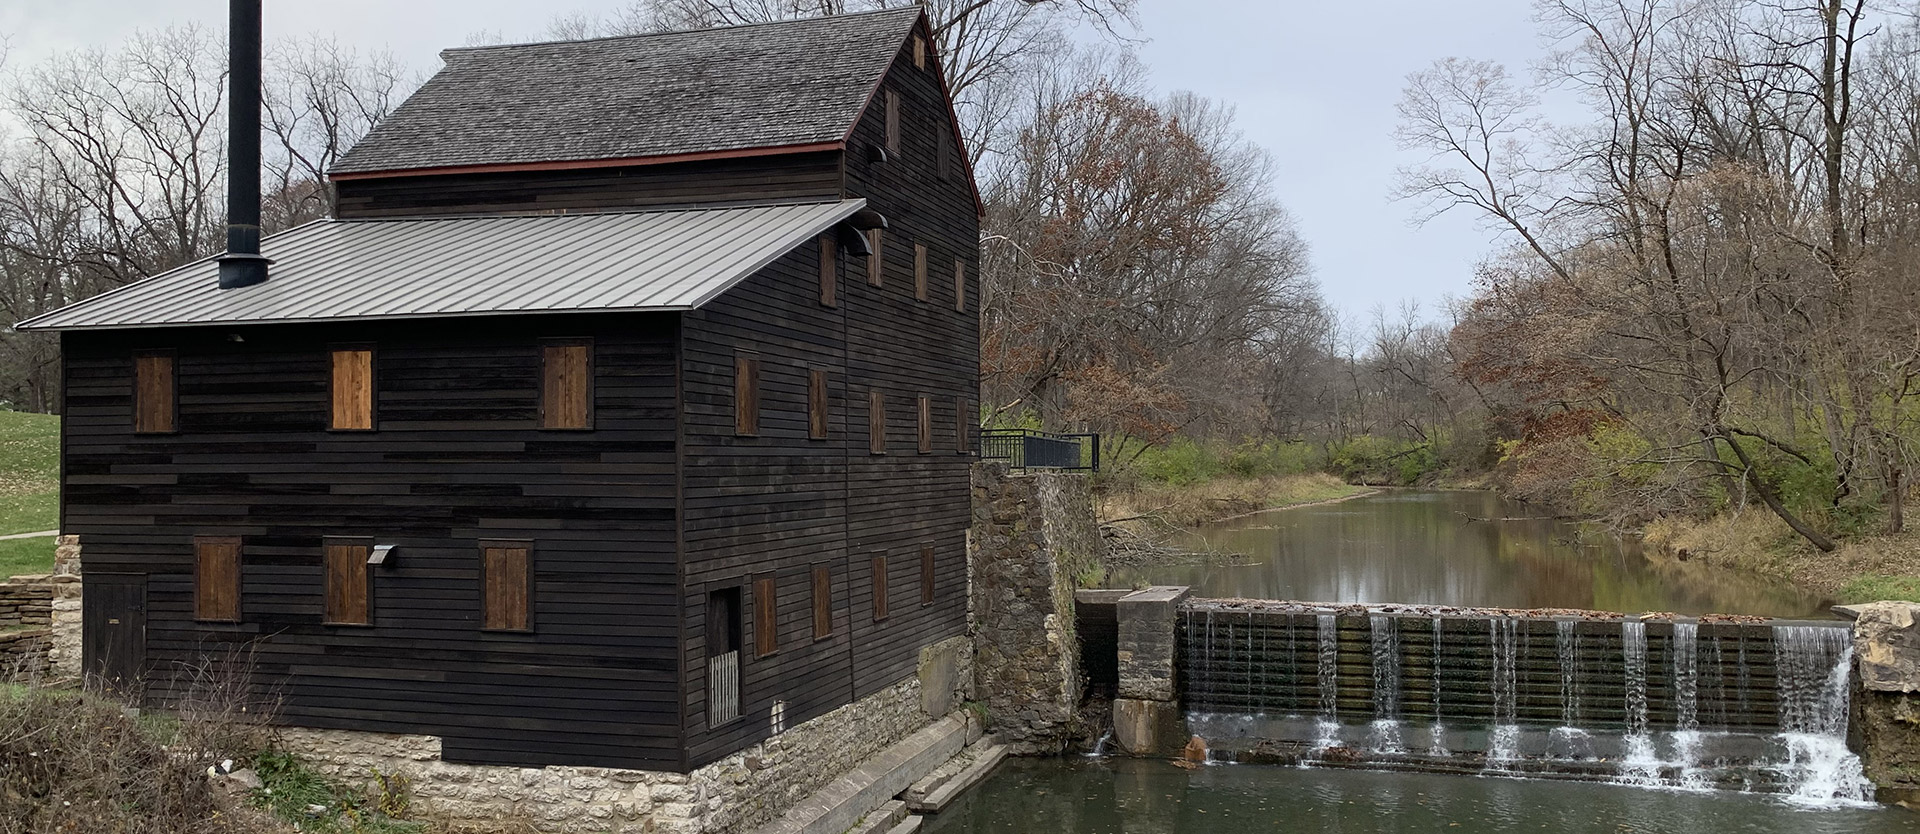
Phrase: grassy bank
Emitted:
{"points": [[1190, 505], [1863, 568], [29, 490]]}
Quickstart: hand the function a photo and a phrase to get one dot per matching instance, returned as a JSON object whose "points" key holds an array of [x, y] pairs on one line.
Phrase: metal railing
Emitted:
{"points": [[1034, 449], [723, 688]]}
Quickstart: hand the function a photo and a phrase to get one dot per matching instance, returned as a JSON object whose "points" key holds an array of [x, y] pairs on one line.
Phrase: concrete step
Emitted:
{"points": [[940, 789], [882, 820], [845, 801], [906, 826]]}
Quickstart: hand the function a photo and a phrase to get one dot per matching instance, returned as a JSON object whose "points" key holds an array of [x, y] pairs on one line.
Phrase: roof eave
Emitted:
{"points": [[588, 164]]}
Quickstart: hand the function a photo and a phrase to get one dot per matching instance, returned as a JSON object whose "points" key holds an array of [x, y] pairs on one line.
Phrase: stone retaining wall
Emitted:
{"points": [[64, 653], [732, 795], [26, 625]]}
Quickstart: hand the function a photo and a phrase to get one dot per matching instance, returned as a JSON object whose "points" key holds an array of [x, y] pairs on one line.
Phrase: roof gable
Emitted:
{"points": [[786, 85]]}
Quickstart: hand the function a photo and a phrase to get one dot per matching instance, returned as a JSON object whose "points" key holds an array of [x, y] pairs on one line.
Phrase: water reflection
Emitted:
{"points": [[1125, 796], [1423, 547]]}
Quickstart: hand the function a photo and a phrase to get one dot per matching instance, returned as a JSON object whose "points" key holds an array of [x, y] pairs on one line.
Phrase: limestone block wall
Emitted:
{"points": [[1033, 537], [63, 652], [1885, 726], [735, 794], [26, 626]]}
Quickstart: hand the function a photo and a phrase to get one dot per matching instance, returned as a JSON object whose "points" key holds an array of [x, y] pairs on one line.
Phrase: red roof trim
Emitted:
{"points": [[580, 164]]}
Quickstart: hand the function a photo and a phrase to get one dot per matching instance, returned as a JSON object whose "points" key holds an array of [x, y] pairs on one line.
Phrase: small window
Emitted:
{"points": [[920, 271], [766, 622], [876, 262], [893, 123], [960, 422], [746, 394], [919, 52], [216, 579], [829, 271], [926, 574], [352, 389], [926, 424], [959, 285], [817, 404], [566, 387], [723, 656], [822, 601], [943, 152], [153, 393], [349, 601], [506, 582], [876, 423], [879, 574]]}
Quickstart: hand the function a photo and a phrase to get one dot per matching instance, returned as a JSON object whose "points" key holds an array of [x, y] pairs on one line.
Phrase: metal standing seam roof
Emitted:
{"points": [[781, 84], [344, 270]]}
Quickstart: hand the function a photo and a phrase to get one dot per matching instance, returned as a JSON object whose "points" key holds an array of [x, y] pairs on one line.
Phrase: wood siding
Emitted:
{"points": [[458, 458], [758, 180]]}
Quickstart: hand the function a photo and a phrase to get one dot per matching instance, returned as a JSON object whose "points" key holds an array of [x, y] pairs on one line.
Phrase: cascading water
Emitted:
{"points": [[1641, 765], [1437, 733], [1385, 734], [1813, 665], [1329, 681], [1503, 744], [1686, 705], [1568, 740]]}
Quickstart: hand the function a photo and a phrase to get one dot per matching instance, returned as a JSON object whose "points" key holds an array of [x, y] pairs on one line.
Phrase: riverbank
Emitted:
{"points": [[1861, 569], [1221, 498]]}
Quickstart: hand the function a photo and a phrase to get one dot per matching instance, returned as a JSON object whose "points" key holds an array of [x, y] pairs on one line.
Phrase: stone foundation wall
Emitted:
{"points": [[1885, 725], [1033, 537], [26, 602], [64, 644], [729, 796], [26, 626]]}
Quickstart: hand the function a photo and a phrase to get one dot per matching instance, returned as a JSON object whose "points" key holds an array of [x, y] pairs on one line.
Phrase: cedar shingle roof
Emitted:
{"points": [[768, 85]]}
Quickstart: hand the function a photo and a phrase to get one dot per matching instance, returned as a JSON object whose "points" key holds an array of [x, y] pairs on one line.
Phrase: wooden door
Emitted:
{"points": [[113, 620]]}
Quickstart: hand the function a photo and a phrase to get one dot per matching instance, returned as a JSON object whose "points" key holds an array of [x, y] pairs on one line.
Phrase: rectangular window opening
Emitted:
{"points": [[822, 601], [926, 424], [566, 386], [876, 262], [920, 271], [349, 597], [959, 285], [352, 402], [216, 579], [944, 153], [926, 574], [893, 123], [723, 656], [876, 423], [919, 52], [506, 579], [746, 394], [879, 576], [829, 271], [817, 404], [154, 389], [766, 616]]}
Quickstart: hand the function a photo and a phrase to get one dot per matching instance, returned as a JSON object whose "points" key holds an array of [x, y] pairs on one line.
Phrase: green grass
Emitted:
{"points": [[1876, 587], [18, 556], [291, 787], [29, 473]]}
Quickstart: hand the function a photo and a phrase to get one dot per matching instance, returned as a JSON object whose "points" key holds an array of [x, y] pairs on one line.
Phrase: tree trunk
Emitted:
{"points": [[1896, 500], [1760, 488]]}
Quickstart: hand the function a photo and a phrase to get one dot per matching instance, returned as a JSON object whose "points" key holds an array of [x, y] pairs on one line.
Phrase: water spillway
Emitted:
{"points": [[1692, 704]]}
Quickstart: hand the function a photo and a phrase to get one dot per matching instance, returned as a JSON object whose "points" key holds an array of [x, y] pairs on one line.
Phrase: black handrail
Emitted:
{"points": [[1035, 449]]}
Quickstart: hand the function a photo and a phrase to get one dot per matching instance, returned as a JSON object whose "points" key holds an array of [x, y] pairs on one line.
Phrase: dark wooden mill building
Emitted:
{"points": [[589, 432]]}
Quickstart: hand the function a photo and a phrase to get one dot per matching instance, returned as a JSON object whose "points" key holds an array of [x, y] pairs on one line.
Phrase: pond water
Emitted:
{"points": [[1460, 548], [1112, 796]]}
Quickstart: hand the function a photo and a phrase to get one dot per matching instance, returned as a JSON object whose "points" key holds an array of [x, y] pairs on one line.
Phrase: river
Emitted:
{"points": [[1459, 548]]}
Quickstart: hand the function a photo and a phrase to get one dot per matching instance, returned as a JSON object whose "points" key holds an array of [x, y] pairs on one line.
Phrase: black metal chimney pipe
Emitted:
{"points": [[242, 265]]}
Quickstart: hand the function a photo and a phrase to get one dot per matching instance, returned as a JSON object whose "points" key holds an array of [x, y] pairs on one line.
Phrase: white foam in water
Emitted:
{"points": [[1503, 745], [1813, 664], [1385, 734], [1570, 743], [1437, 740]]}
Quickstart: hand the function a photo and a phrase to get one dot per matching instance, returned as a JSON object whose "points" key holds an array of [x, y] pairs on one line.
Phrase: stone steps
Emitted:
{"points": [[845, 802], [932, 794]]}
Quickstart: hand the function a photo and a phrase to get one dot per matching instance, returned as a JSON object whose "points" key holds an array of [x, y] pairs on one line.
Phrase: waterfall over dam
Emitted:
{"points": [[1719, 702]]}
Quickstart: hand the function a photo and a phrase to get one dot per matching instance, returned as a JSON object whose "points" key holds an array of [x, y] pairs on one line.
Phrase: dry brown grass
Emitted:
{"points": [[1221, 498], [1758, 542]]}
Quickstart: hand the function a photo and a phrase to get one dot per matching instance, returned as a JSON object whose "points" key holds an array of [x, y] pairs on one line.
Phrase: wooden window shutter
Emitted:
{"points": [[879, 575], [349, 601], [920, 271], [216, 578], [959, 285], [893, 123], [766, 626], [822, 602], [926, 424], [926, 574], [944, 155], [506, 586], [919, 52], [817, 403], [352, 390], [829, 271], [960, 422], [876, 423], [153, 393], [876, 262], [746, 394], [566, 384]]}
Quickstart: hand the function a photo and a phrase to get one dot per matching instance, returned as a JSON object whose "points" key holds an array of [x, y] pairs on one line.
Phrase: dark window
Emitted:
{"points": [[926, 424], [926, 574], [829, 270], [944, 154], [352, 389], [817, 404], [153, 393], [920, 271], [960, 422], [766, 617], [349, 601], [879, 576], [746, 394], [959, 285], [876, 423], [506, 581], [876, 262], [216, 578], [822, 602], [566, 387], [893, 123], [723, 656]]}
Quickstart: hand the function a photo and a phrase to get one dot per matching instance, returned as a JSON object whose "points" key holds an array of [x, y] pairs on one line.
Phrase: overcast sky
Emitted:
{"points": [[1315, 83]]}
